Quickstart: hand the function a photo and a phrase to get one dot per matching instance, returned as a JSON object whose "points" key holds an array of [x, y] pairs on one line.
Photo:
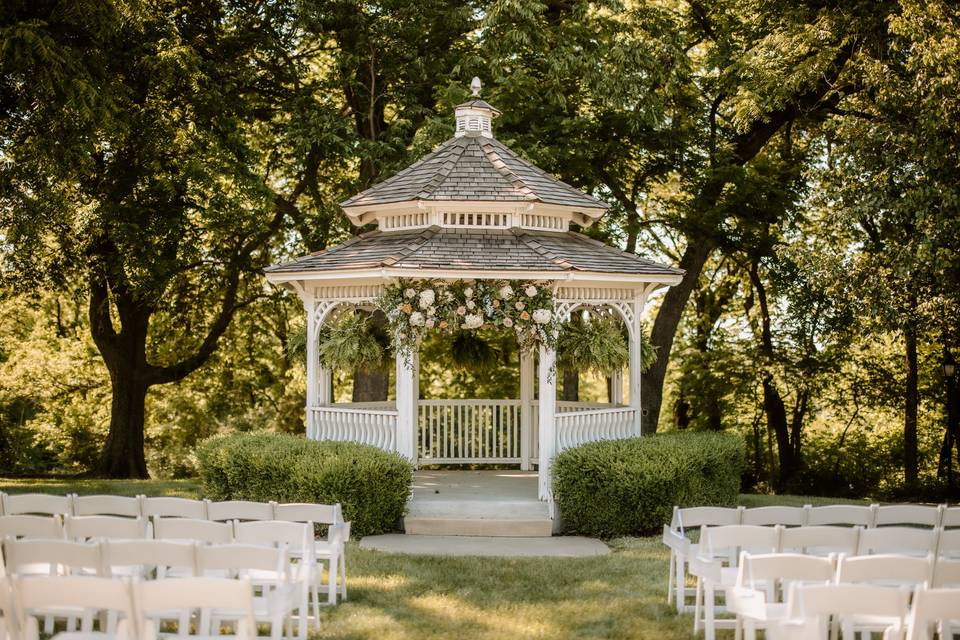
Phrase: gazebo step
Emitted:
{"points": [[463, 526], [518, 509]]}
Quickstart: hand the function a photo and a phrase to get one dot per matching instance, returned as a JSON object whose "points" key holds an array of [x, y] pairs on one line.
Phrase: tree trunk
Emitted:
{"points": [[911, 402], [122, 455], [665, 329], [571, 385], [371, 385], [777, 423]]}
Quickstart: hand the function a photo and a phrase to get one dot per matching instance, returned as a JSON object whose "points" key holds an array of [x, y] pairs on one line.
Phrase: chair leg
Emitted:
{"points": [[681, 573], [670, 574], [738, 626], [343, 576], [709, 626], [697, 605], [332, 567]]}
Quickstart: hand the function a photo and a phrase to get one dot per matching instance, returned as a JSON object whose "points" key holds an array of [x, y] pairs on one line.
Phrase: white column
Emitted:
{"points": [[616, 387], [635, 338], [526, 409], [406, 406], [548, 408], [313, 363]]}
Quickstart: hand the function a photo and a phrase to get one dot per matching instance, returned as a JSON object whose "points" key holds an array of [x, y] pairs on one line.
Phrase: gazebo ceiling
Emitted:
{"points": [[476, 250]]}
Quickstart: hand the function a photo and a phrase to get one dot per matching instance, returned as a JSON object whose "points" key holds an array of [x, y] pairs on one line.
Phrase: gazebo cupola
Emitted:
{"points": [[474, 211]]}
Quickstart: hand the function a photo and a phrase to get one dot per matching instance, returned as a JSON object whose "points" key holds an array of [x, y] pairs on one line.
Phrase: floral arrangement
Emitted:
{"points": [[414, 307]]}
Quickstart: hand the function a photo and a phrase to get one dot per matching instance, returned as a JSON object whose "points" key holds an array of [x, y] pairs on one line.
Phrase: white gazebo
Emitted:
{"points": [[472, 210]]}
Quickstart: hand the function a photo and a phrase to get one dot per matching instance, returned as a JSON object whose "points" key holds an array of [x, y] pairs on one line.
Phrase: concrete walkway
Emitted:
{"points": [[557, 546]]}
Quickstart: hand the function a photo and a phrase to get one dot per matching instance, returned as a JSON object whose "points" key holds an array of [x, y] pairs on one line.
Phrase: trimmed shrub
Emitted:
{"points": [[620, 487], [371, 485]]}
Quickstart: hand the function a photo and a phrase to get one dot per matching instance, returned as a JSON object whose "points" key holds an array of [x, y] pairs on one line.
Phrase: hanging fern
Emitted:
{"points": [[472, 352], [351, 343], [599, 344]]}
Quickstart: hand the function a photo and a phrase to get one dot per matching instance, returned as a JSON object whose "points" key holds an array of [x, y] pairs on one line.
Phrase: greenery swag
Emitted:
{"points": [[414, 307]]}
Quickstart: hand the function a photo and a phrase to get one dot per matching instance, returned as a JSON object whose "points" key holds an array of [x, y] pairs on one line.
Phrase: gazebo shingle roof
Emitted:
{"points": [[475, 168], [476, 250]]}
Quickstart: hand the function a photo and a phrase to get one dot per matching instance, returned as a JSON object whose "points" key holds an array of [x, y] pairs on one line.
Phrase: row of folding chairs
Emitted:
{"points": [[796, 596], [125, 609], [684, 522], [165, 506], [715, 564]]}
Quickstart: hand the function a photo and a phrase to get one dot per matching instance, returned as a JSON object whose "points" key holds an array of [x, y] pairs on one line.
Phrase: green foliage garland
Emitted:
{"points": [[414, 307]]}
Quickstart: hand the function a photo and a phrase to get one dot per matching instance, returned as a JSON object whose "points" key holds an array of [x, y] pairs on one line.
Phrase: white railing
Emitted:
{"points": [[574, 428], [368, 425], [464, 431]]}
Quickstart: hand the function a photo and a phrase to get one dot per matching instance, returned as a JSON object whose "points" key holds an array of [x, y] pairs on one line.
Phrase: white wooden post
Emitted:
{"points": [[616, 387], [313, 362], [548, 408], [406, 406], [635, 338], [324, 386], [526, 409]]}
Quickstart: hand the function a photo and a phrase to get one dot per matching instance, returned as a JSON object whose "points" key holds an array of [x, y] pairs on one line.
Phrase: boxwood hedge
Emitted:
{"points": [[620, 487], [372, 485]]}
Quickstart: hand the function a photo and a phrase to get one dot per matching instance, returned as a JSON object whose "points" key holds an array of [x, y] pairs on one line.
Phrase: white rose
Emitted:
{"points": [[431, 311], [519, 306], [542, 316], [468, 293], [429, 323], [427, 297], [473, 321], [409, 293], [461, 310], [471, 304], [416, 319], [507, 322], [506, 292], [531, 291]]}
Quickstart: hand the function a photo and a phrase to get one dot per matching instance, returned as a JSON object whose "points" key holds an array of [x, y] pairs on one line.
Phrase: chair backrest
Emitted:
{"points": [[97, 527], [929, 607], [848, 514], [36, 504], [306, 512], [815, 601], [51, 557], [240, 559], [950, 517], [694, 517], [820, 540], [174, 508], [908, 514], [92, 595], [761, 570], [903, 540], [176, 598], [107, 506], [240, 510], [886, 570], [22, 526], [788, 516], [948, 545], [727, 542], [946, 573], [145, 556], [297, 536], [192, 529]]}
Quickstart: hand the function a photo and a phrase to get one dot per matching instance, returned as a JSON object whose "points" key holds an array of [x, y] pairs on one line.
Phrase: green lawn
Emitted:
{"points": [[423, 597]]}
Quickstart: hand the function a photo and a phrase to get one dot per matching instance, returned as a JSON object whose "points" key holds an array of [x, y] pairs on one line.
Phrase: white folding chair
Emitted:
{"points": [[90, 599], [298, 539], [174, 508], [820, 540], [331, 551], [937, 606], [147, 558], [107, 506], [240, 510], [270, 574], [948, 545], [83, 528], [908, 514], [23, 526], [715, 567], [766, 516], [51, 557], [946, 574], [177, 599], [810, 607], [676, 536], [191, 529], [950, 517], [906, 541], [763, 582], [840, 514], [889, 570], [36, 504]]}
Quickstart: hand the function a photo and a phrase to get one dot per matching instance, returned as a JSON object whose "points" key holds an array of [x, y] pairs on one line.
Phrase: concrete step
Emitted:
{"points": [[500, 509], [467, 526]]}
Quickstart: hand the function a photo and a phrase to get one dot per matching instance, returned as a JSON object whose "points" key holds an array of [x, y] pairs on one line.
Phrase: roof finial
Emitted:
{"points": [[475, 86]]}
